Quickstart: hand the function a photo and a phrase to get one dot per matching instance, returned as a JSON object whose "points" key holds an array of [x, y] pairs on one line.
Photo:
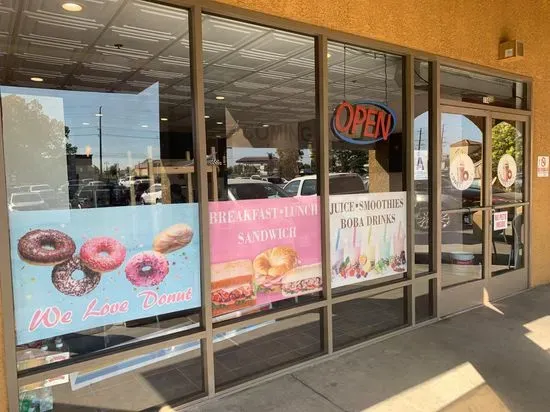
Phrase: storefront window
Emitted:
{"points": [[422, 178], [100, 174], [508, 240], [472, 87], [367, 198], [260, 125]]}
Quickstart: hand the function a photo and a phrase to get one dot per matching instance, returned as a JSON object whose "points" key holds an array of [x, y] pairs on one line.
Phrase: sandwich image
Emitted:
{"points": [[232, 286], [271, 265], [302, 280]]}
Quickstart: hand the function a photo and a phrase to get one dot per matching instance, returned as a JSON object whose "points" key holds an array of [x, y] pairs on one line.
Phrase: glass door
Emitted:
{"points": [[465, 208], [483, 207]]}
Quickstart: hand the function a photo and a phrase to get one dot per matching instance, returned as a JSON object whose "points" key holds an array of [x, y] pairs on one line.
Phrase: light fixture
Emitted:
{"points": [[37, 79], [144, 126], [71, 7], [85, 123], [329, 55], [164, 119], [265, 125], [88, 151], [219, 122], [488, 99], [98, 115], [220, 97], [207, 117]]}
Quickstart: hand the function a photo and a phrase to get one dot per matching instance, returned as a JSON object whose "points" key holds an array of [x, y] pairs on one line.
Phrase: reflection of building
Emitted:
{"points": [[79, 166], [466, 146], [265, 164]]}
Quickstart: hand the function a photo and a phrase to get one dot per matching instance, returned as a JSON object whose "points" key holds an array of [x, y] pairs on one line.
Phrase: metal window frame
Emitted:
{"points": [[321, 35]]}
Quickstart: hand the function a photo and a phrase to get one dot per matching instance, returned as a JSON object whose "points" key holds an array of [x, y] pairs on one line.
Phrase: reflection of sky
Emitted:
{"points": [[454, 127], [130, 122]]}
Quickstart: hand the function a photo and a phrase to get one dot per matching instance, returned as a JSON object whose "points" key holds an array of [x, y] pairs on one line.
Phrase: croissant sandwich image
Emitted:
{"points": [[271, 265]]}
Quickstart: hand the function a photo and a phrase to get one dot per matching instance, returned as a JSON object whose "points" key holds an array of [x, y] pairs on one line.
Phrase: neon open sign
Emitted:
{"points": [[363, 122]]}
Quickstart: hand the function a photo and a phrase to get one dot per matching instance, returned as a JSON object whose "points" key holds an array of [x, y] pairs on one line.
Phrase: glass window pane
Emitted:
{"points": [[422, 181], [472, 87], [101, 180], [265, 347], [260, 126], [359, 319], [508, 240], [367, 197], [424, 304], [507, 161], [462, 249], [462, 162], [138, 383]]}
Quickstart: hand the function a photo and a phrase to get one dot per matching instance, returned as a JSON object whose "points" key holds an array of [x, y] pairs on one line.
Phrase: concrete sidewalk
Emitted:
{"points": [[488, 359]]}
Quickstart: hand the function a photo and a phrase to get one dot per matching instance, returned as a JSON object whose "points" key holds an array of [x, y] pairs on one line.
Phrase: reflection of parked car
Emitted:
{"points": [[26, 201], [243, 189], [95, 195], [339, 184], [152, 195], [276, 180], [47, 194]]}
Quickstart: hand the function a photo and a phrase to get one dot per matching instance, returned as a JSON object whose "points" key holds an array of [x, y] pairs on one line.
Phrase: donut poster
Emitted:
{"points": [[368, 236], [76, 269], [263, 251]]}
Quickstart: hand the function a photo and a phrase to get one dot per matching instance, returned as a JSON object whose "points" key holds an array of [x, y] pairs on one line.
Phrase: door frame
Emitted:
{"points": [[455, 299]]}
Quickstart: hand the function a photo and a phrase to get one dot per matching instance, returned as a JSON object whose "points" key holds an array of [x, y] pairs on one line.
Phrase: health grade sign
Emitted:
{"points": [[79, 269]]}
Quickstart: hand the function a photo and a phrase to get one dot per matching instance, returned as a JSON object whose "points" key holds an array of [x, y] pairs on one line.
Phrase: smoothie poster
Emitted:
{"points": [[75, 270], [368, 236], [263, 251]]}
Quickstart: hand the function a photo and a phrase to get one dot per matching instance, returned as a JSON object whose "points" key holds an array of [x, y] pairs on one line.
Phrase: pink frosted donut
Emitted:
{"points": [[147, 269], [102, 254]]}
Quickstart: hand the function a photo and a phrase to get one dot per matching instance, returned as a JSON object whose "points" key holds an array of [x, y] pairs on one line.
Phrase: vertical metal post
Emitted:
{"points": [[408, 135], [487, 199], [321, 75], [530, 161], [6, 287], [434, 177], [100, 130], [199, 129]]}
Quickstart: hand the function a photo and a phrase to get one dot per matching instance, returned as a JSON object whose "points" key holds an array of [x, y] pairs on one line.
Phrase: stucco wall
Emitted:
{"points": [[468, 30]]}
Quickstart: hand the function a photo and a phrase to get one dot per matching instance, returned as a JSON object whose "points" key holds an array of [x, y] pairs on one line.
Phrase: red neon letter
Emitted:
{"points": [[383, 125], [342, 107], [370, 121], [359, 117]]}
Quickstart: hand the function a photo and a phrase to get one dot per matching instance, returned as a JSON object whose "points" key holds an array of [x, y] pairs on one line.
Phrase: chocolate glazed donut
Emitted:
{"points": [[62, 278], [45, 247]]}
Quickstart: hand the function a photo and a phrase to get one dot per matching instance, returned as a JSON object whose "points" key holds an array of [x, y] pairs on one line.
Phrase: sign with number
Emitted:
{"points": [[543, 169], [500, 220]]}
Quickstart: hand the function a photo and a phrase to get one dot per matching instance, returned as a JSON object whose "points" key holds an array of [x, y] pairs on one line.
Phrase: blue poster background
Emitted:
{"points": [[135, 227]]}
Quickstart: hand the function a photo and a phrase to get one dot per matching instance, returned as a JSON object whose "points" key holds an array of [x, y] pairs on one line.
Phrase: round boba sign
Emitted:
{"points": [[462, 171], [507, 170]]}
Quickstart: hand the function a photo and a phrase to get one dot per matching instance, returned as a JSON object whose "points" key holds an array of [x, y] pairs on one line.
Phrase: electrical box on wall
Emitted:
{"points": [[510, 50]]}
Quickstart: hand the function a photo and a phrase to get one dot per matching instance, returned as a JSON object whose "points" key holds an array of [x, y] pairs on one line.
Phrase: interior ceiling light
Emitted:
{"points": [[207, 117], [219, 122], [220, 97], [265, 125], [164, 119], [37, 79], [71, 7], [329, 55], [98, 115], [85, 123], [144, 125]]}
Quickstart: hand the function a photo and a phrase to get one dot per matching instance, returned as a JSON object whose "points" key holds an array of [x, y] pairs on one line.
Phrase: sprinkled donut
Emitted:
{"points": [[45, 247], [147, 269], [62, 278], [102, 254]]}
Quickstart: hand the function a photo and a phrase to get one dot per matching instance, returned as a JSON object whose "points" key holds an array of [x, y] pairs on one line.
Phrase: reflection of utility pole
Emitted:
{"points": [[100, 143], [419, 138]]}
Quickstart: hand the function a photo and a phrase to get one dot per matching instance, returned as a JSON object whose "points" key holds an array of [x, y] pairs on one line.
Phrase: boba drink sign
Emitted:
{"points": [[70, 275]]}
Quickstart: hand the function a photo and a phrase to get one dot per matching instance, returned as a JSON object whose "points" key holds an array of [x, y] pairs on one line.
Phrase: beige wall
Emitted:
{"points": [[468, 30]]}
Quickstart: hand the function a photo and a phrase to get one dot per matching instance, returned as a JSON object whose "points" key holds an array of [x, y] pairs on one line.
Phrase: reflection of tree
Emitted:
{"points": [[288, 162], [506, 140], [32, 138], [353, 161]]}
